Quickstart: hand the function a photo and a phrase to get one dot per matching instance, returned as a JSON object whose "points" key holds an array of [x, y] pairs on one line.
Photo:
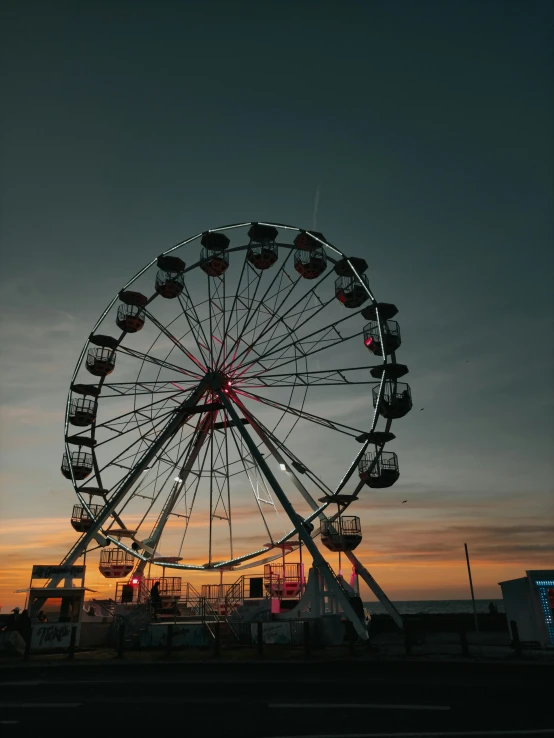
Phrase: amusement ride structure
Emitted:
{"points": [[201, 430]]}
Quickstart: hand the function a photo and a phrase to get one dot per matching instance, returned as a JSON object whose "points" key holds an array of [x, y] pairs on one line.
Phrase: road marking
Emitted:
{"points": [[9, 722], [38, 705], [472, 734], [318, 705], [21, 684]]}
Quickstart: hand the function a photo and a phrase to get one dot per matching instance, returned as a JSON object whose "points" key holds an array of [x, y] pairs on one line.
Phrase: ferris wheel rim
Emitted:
{"points": [[237, 560]]}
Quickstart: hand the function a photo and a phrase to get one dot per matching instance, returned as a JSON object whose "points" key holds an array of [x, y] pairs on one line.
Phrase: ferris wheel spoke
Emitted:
{"points": [[290, 330], [247, 470], [275, 447], [297, 463], [189, 509], [315, 349], [280, 319], [166, 462], [228, 491], [210, 325], [158, 362], [216, 297], [196, 327], [167, 453], [227, 322], [211, 443], [220, 499], [295, 328], [304, 415], [124, 389], [246, 299], [321, 333], [175, 341], [186, 461], [259, 352], [174, 492], [156, 493], [148, 439], [120, 458], [320, 377], [136, 427], [289, 287], [258, 360], [303, 390], [130, 415]]}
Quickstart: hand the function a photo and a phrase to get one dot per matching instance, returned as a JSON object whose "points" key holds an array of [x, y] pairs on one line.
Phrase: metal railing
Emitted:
{"points": [[283, 580]]}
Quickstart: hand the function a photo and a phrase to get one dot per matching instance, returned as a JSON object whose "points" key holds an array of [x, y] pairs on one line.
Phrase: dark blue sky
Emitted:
{"points": [[426, 127]]}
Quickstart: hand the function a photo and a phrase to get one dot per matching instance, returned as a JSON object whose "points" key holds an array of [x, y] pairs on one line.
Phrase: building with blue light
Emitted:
{"points": [[529, 602]]}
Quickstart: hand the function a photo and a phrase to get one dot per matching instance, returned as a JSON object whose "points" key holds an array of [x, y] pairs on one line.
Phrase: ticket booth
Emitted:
{"points": [[55, 611], [529, 602]]}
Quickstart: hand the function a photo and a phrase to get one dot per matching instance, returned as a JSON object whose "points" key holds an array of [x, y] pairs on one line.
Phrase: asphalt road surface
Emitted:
{"points": [[264, 700]]}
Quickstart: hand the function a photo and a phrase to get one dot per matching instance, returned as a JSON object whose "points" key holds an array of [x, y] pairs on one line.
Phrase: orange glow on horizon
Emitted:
{"points": [[422, 575]]}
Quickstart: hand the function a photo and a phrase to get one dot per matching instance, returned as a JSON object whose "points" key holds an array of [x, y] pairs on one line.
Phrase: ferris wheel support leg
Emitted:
{"points": [[180, 417], [154, 538], [280, 460], [329, 578], [376, 589]]}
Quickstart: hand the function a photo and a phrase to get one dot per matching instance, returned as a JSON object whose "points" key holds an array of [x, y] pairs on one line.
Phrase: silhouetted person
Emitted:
{"points": [[24, 626], [155, 597], [42, 617], [493, 610]]}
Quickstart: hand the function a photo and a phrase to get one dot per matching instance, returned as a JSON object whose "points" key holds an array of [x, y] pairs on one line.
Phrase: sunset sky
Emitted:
{"points": [[423, 133]]}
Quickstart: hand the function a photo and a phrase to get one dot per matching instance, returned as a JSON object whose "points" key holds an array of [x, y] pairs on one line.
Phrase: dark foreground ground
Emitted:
{"points": [[267, 700]]}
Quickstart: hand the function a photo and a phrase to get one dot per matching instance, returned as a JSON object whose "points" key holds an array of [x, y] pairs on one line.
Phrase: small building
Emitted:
{"points": [[529, 602]]}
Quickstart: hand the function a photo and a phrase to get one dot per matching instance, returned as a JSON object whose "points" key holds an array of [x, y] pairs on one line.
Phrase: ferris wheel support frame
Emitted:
{"points": [[277, 456], [319, 562], [360, 570], [181, 416], [268, 439], [153, 540]]}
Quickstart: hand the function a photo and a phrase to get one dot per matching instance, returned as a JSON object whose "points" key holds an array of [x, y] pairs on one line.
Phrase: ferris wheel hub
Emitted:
{"points": [[218, 380]]}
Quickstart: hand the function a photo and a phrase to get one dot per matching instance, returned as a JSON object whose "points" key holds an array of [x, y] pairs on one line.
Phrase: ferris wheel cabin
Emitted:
{"points": [[81, 520], [391, 337], [379, 471], [396, 401], [100, 361], [214, 259], [116, 563], [262, 249], [170, 279], [82, 411], [79, 462], [344, 533], [310, 259], [351, 289], [130, 314]]}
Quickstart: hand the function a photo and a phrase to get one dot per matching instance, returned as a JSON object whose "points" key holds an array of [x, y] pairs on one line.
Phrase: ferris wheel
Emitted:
{"points": [[235, 397]]}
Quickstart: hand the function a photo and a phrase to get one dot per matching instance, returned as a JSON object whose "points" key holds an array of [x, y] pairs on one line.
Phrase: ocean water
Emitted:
{"points": [[434, 607]]}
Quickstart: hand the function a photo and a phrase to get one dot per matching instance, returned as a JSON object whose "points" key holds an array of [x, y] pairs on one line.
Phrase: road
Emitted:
{"points": [[264, 700]]}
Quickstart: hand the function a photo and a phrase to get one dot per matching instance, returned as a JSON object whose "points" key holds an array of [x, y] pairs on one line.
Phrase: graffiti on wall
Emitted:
{"points": [[55, 635]]}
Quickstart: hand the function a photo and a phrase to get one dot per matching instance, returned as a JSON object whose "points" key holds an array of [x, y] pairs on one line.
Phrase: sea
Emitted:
{"points": [[434, 607]]}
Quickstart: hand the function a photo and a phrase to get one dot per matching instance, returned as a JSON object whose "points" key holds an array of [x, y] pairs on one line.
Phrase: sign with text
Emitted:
{"points": [[51, 635], [46, 571]]}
